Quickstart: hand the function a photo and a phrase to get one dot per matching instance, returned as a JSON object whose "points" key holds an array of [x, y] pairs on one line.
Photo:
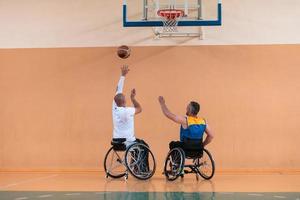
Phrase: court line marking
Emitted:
{"points": [[279, 197], [27, 181], [21, 198], [255, 194], [45, 196], [72, 194]]}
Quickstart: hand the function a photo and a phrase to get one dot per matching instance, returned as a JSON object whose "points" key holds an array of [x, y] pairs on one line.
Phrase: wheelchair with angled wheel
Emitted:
{"points": [[192, 150], [137, 159]]}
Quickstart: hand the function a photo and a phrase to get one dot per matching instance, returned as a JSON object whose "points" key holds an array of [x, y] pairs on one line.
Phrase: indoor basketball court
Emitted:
{"points": [[149, 99]]}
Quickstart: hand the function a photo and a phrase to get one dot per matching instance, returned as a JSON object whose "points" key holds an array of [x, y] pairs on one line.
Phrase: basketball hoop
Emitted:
{"points": [[170, 18]]}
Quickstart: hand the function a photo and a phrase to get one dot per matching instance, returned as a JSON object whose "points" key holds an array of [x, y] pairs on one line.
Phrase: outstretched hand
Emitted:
{"points": [[124, 70], [161, 100], [133, 93]]}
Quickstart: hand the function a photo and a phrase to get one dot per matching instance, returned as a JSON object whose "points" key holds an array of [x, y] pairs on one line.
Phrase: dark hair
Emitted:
{"points": [[195, 107]]}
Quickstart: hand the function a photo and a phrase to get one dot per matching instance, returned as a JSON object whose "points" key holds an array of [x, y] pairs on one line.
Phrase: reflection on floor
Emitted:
{"points": [[21, 186], [98, 182], [145, 195]]}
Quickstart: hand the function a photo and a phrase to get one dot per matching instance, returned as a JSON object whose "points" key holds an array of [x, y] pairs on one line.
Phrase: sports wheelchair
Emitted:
{"points": [[136, 158], [202, 161]]}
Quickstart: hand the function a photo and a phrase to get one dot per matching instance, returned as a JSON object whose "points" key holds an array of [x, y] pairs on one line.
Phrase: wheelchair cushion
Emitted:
{"points": [[193, 148], [118, 140], [118, 144]]}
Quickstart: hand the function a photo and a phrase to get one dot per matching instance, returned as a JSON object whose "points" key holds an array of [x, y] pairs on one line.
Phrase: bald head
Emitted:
{"points": [[120, 100]]}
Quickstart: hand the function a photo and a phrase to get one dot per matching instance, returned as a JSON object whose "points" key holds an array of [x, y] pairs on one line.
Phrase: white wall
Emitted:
{"points": [[81, 23]]}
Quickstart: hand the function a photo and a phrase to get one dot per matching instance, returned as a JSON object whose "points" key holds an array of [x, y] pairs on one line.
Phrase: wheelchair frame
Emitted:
{"points": [[178, 166], [132, 161]]}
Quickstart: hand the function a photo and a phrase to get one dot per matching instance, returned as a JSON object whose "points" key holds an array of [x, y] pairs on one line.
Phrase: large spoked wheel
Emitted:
{"points": [[206, 165], [174, 164], [114, 165], [140, 161]]}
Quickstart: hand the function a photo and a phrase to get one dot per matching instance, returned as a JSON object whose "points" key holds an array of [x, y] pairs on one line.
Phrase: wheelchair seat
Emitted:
{"points": [[193, 148], [118, 144]]}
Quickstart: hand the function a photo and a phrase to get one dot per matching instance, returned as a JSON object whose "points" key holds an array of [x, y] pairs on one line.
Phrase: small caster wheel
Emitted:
{"points": [[126, 177]]}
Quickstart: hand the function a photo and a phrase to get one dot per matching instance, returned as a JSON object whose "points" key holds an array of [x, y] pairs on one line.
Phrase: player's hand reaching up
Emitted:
{"points": [[133, 93], [124, 70]]}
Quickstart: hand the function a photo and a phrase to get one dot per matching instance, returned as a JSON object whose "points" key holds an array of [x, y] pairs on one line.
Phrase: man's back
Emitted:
{"points": [[195, 128], [123, 122], [123, 117]]}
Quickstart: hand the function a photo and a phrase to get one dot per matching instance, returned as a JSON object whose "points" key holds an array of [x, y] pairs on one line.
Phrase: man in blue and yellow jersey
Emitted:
{"points": [[192, 127]]}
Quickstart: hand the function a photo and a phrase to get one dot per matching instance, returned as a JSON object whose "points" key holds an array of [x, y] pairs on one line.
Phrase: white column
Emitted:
{"points": [[156, 2], [186, 8]]}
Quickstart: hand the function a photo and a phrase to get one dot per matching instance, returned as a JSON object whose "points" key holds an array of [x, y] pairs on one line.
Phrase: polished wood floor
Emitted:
{"points": [[93, 181]]}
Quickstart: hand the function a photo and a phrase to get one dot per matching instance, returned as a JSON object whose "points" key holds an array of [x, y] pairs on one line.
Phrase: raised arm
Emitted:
{"points": [[209, 135], [176, 118], [124, 71], [137, 106]]}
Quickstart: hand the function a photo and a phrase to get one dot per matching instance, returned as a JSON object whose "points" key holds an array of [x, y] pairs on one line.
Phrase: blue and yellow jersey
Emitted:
{"points": [[195, 129]]}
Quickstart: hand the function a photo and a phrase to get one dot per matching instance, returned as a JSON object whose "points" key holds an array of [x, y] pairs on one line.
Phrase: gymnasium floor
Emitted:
{"points": [[94, 185]]}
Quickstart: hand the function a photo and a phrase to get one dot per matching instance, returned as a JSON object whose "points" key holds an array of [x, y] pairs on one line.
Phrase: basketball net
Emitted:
{"points": [[170, 25], [170, 19]]}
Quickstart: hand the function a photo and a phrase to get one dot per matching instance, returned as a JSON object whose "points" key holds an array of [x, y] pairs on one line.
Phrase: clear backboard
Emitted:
{"points": [[144, 13]]}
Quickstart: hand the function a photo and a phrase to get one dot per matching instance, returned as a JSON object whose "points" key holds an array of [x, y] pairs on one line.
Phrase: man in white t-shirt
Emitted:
{"points": [[123, 117]]}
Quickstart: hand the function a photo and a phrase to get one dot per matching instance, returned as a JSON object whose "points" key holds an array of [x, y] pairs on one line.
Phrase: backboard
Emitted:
{"points": [[143, 13]]}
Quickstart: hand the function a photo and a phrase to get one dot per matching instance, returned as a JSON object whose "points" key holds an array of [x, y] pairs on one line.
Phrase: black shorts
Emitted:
{"points": [[187, 144]]}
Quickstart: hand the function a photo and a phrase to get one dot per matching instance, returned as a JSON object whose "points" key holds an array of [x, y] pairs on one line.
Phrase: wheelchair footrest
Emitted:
{"points": [[193, 169], [188, 171]]}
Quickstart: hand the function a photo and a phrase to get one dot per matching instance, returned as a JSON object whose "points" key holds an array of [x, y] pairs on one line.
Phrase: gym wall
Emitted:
{"points": [[55, 105]]}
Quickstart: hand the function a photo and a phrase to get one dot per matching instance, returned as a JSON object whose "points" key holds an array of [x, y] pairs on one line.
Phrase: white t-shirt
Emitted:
{"points": [[123, 118]]}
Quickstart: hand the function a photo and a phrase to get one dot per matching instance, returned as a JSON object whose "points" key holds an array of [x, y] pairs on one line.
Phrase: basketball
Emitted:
{"points": [[123, 51]]}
